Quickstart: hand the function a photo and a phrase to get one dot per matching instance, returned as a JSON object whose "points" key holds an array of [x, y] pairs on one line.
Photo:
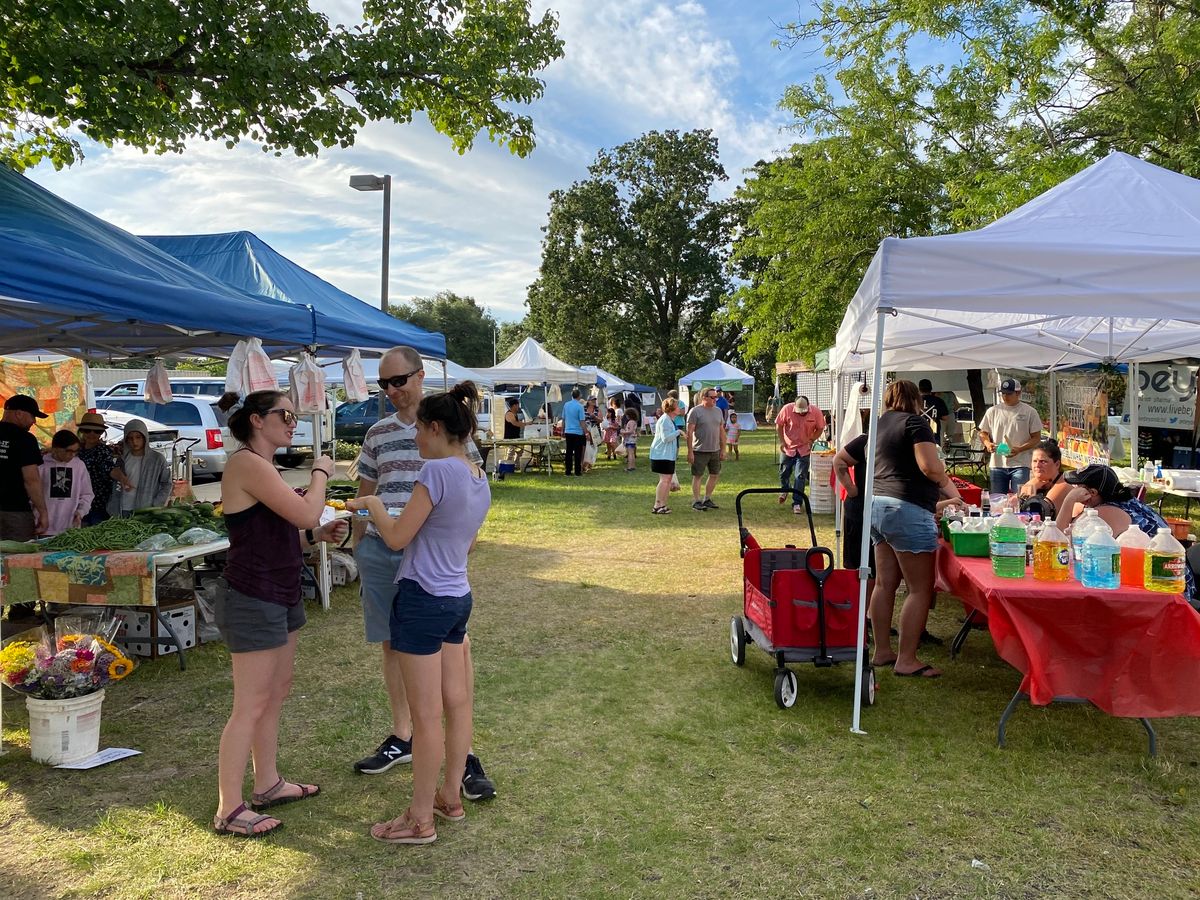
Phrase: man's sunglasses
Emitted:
{"points": [[396, 381], [90, 430], [289, 417]]}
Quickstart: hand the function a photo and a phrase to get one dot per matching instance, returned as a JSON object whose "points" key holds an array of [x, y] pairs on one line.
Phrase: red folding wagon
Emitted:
{"points": [[797, 607]]}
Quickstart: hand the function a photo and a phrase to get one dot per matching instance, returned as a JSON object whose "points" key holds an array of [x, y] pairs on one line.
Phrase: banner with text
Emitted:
{"points": [[1166, 396]]}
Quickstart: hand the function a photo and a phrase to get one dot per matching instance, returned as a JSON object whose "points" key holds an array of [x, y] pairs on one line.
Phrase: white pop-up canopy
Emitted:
{"points": [[715, 373], [531, 363], [1104, 267]]}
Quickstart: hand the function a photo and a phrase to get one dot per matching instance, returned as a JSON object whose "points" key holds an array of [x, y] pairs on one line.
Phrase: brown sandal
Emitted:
{"points": [[228, 825], [444, 810], [410, 831], [270, 797]]}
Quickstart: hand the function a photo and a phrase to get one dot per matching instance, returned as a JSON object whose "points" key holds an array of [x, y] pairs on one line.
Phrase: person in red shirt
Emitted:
{"points": [[798, 425]]}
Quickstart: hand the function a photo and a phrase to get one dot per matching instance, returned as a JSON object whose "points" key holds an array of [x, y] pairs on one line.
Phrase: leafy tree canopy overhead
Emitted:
{"points": [[467, 327], [153, 74], [634, 259]]}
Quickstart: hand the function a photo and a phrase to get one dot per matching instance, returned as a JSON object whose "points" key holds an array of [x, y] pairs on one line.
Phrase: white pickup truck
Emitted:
{"points": [[289, 457]]}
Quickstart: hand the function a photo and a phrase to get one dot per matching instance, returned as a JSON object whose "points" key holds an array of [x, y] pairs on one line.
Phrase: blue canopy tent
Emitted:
{"points": [[74, 284], [244, 261]]}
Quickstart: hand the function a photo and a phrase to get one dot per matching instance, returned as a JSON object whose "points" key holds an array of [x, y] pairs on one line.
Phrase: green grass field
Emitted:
{"points": [[632, 758]]}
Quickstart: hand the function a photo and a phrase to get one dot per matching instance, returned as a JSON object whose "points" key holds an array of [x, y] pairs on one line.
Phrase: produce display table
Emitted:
{"points": [[541, 450], [98, 579], [1130, 652]]}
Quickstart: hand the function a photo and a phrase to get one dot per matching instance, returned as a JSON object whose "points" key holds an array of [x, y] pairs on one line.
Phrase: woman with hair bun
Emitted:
{"points": [[436, 530], [259, 609]]}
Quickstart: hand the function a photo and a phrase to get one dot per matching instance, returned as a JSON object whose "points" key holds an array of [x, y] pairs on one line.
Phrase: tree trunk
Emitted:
{"points": [[979, 402]]}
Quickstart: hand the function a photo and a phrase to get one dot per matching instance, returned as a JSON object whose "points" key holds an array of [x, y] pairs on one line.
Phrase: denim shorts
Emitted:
{"points": [[905, 527], [248, 624], [377, 568], [422, 622]]}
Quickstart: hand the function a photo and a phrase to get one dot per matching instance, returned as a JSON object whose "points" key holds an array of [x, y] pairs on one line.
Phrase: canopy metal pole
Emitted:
{"points": [[1054, 403], [1132, 394], [834, 431], [864, 568], [324, 581]]}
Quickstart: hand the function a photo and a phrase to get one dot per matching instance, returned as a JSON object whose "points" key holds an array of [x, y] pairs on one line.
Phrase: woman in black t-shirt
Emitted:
{"points": [[909, 481]]}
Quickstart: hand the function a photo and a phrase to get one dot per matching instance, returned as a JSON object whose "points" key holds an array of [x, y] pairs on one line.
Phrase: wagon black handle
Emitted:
{"points": [[822, 574], [743, 532]]}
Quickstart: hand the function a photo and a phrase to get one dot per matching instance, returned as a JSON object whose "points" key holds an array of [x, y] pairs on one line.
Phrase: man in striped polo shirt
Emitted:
{"points": [[388, 466]]}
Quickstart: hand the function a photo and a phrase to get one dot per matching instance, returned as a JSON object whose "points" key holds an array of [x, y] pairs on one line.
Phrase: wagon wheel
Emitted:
{"points": [[868, 686], [785, 688], [737, 641]]}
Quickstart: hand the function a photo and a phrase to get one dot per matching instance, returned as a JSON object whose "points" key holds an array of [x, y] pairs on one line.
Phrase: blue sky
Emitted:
{"points": [[471, 224]]}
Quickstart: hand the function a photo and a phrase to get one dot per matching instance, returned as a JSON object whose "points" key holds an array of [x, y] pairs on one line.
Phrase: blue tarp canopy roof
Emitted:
{"points": [[74, 284], [243, 260]]}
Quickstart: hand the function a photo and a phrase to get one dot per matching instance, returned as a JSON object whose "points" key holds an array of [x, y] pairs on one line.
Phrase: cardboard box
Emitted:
{"points": [[141, 629]]}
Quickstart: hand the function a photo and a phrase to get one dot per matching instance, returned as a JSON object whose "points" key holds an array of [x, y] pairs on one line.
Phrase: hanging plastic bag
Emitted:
{"points": [[353, 378], [308, 386], [158, 384], [250, 369]]}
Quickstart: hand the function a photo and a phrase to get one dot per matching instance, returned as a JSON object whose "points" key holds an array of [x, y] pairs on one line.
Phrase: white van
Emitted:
{"points": [[213, 388]]}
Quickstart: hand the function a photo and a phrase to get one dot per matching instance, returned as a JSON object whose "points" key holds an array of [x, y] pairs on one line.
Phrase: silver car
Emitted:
{"points": [[192, 417]]}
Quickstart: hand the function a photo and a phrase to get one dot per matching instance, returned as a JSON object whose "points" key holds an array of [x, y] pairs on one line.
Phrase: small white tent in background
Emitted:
{"points": [[531, 363], [1104, 267], [727, 377]]}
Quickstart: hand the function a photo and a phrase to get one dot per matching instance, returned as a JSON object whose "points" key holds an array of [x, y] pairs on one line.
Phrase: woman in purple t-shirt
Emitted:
{"points": [[433, 601]]}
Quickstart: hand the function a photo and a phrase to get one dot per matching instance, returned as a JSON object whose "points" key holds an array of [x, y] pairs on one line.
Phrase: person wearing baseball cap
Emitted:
{"points": [[1010, 431], [20, 479]]}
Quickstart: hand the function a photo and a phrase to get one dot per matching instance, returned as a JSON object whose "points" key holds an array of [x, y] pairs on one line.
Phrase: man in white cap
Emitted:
{"points": [[1010, 431]]}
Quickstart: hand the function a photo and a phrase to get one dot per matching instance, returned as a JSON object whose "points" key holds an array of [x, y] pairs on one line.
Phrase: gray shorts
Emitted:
{"points": [[378, 565], [247, 624], [702, 460]]}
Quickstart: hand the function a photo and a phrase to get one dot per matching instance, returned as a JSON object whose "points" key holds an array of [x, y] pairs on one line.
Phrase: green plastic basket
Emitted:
{"points": [[970, 544]]}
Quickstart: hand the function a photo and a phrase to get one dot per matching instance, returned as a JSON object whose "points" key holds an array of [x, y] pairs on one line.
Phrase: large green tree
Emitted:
{"points": [[153, 74], [634, 259], [469, 328], [945, 115]]}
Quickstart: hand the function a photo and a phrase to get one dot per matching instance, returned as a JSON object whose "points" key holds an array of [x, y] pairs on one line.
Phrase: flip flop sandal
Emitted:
{"points": [[244, 829], [411, 831], [269, 797], [918, 673], [444, 810]]}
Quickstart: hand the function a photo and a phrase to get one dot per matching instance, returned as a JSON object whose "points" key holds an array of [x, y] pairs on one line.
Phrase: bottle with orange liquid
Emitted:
{"points": [[1133, 542], [1052, 554]]}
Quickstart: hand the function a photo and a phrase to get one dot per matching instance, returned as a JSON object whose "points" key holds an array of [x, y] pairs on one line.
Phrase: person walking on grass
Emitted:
{"points": [[612, 429], [629, 431], [388, 466], [432, 604], [798, 425], [706, 447], [732, 430], [663, 452], [573, 433], [258, 607]]}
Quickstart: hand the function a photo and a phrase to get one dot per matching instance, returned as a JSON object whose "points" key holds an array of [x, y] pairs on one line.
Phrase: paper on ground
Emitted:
{"points": [[110, 754]]}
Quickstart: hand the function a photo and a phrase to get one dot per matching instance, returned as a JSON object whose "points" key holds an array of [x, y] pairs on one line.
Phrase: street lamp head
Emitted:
{"points": [[367, 182]]}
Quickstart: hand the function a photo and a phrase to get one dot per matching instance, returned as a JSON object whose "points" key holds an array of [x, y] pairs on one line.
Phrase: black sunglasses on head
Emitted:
{"points": [[396, 381]]}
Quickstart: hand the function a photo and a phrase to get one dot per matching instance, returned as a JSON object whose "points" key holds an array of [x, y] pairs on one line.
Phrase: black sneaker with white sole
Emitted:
{"points": [[699, 506], [476, 785], [708, 503], [391, 752]]}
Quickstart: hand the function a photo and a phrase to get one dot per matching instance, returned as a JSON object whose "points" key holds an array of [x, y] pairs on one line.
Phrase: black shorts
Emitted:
{"points": [[662, 466], [248, 624]]}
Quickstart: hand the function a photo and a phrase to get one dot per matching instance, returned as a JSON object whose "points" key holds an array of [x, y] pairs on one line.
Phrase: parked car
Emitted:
{"points": [[289, 457], [354, 417], [162, 437], [192, 417]]}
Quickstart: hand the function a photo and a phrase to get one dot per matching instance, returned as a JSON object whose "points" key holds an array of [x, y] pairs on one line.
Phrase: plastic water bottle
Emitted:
{"points": [[1081, 530], [1133, 543], [1002, 448], [1031, 537], [1164, 563], [1148, 473], [1052, 554], [1008, 546], [1101, 561]]}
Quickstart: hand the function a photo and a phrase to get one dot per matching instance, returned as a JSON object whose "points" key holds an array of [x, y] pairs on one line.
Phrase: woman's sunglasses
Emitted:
{"points": [[396, 381], [289, 417]]}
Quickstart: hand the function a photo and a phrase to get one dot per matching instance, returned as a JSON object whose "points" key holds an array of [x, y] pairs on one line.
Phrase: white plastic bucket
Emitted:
{"points": [[64, 731]]}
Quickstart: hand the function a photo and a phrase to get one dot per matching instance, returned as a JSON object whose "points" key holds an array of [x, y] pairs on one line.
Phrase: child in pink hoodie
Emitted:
{"points": [[66, 484]]}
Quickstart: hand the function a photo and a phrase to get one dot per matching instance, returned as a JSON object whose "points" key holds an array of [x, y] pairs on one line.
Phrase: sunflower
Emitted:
{"points": [[119, 668]]}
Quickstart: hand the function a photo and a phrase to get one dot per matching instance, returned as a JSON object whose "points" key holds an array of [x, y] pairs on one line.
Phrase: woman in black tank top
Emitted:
{"points": [[259, 611]]}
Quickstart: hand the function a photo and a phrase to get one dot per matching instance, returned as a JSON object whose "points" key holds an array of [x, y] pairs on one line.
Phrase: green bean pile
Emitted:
{"points": [[112, 534]]}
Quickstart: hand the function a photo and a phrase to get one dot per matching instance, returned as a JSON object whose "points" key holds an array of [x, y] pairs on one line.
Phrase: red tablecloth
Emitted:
{"points": [[1130, 652]]}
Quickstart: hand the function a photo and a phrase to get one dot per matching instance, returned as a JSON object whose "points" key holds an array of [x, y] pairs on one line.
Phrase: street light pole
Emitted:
{"points": [[380, 183]]}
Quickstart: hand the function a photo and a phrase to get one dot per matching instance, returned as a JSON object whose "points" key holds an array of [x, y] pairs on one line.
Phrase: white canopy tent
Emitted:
{"points": [[722, 375], [531, 363], [612, 384], [1104, 267]]}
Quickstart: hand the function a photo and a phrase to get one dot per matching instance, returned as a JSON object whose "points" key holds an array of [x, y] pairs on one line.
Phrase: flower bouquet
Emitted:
{"points": [[78, 660]]}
